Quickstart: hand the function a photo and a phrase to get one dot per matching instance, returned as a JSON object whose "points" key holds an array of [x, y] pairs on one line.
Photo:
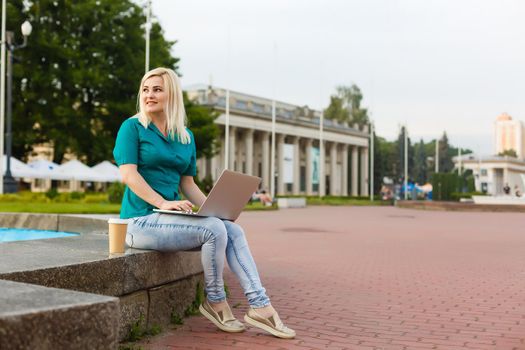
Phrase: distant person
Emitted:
{"points": [[506, 189], [156, 155], [517, 191], [263, 197]]}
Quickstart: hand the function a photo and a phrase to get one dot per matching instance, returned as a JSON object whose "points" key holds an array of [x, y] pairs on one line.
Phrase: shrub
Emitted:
{"points": [[116, 192], [443, 185], [52, 193], [76, 195], [205, 184], [96, 198]]}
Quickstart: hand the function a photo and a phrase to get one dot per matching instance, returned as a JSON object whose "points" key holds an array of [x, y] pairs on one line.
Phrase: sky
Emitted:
{"points": [[434, 65]]}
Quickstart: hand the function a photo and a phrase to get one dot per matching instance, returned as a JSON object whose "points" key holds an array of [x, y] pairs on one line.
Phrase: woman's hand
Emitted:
{"points": [[185, 206]]}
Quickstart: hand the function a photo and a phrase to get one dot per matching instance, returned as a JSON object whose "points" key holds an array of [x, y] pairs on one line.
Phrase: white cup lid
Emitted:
{"points": [[117, 221]]}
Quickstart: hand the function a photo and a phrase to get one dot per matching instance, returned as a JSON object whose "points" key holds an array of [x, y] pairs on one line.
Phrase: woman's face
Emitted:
{"points": [[154, 95]]}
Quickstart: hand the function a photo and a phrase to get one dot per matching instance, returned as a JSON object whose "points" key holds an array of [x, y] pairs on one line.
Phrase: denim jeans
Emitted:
{"points": [[167, 233]]}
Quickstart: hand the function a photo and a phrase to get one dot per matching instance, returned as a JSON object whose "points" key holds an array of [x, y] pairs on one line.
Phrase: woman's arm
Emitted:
{"points": [[191, 191], [139, 186]]}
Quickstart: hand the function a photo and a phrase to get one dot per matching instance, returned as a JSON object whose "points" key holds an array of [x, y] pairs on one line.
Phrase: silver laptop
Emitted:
{"points": [[227, 198]]}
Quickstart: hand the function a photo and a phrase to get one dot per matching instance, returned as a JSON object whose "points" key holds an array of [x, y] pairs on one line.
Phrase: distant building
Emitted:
{"points": [[509, 135], [492, 173], [297, 161]]}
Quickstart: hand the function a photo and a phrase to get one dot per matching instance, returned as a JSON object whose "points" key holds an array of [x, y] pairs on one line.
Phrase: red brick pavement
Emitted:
{"points": [[379, 278]]}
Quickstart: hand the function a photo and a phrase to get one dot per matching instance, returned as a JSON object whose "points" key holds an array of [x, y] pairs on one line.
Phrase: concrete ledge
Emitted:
{"points": [[294, 202], [82, 263], [35, 317], [458, 206]]}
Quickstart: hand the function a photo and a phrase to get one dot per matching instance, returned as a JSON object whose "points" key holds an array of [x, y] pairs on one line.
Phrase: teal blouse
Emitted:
{"points": [[160, 160]]}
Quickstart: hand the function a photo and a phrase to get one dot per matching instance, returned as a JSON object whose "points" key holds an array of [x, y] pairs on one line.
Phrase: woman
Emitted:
{"points": [[155, 153]]}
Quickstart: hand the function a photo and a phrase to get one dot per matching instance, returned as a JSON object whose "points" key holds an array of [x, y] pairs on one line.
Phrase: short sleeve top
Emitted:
{"points": [[160, 160]]}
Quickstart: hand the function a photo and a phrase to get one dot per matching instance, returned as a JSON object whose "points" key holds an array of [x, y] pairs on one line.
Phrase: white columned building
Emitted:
{"points": [[297, 163]]}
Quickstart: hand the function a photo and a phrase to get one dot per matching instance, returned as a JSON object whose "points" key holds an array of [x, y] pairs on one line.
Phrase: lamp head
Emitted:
{"points": [[26, 29]]}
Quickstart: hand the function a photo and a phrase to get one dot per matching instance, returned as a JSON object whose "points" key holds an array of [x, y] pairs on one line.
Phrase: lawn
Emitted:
{"points": [[98, 203], [72, 203]]}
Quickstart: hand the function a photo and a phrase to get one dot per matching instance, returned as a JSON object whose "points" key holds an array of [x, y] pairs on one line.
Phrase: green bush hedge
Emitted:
{"points": [[456, 196], [116, 192], [443, 185]]}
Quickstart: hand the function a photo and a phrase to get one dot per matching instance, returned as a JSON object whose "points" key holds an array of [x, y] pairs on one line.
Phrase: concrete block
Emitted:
{"points": [[35, 317], [82, 224], [83, 264], [299, 202], [172, 298], [29, 220], [133, 308]]}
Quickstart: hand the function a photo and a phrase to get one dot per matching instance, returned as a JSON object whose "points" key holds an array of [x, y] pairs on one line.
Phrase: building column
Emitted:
{"points": [[322, 168], [201, 168], [364, 171], [344, 165], [296, 186], [215, 167], [333, 168], [309, 185], [265, 144], [232, 150], [248, 139], [354, 169], [280, 163]]}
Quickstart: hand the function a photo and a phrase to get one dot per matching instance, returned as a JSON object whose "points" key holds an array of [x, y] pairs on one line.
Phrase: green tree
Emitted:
{"points": [[508, 153], [400, 145], [420, 163], [345, 106], [445, 155], [382, 161], [78, 78], [206, 132]]}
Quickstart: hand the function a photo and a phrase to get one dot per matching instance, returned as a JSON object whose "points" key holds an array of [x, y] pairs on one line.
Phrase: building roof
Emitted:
{"points": [[503, 117]]}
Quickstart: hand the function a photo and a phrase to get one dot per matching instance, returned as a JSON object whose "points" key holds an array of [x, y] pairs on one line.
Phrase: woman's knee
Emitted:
{"points": [[235, 231], [216, 229]]}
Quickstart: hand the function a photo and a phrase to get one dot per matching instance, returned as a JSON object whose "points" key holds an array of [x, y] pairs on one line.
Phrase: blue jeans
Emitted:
{"points": [[167, 233]]}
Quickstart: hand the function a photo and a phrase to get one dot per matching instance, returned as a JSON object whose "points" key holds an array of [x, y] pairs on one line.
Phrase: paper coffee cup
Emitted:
{"points": [[117, 235]]}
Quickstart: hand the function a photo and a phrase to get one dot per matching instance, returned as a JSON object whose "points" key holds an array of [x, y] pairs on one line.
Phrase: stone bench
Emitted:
{"points": [[150, 285], [291, 202]]}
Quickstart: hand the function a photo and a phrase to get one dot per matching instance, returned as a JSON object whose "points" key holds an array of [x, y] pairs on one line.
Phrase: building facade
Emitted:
{"points": [[491, 174], [509, 135], [297, 148]]}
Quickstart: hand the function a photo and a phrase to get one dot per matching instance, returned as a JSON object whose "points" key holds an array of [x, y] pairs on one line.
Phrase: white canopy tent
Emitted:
{"points": [[18, 168], [47, 170], [75, 170], [108, 170]]}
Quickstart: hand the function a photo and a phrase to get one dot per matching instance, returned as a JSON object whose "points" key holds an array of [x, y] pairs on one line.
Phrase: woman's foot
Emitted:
{"points": [[221, 315], [270, 322]]}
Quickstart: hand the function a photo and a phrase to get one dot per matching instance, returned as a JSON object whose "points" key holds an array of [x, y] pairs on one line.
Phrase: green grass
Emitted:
{"points": [[97, 203], [60, 208], [344, 201]]}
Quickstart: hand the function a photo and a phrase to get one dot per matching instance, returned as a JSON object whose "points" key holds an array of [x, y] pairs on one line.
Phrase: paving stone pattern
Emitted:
{"points": [[379, 278]]}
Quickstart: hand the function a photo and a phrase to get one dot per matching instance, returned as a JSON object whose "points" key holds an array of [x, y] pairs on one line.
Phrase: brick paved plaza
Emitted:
{"points": [[379, 278]]}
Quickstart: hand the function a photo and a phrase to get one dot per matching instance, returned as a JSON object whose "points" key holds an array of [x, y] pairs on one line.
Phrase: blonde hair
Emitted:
{"points": [[174, 108]]}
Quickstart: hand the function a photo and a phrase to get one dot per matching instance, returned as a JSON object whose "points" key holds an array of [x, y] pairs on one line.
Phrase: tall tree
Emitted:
{"points": [[445, 155], [78, 78], [345, 106], [205, 131], [420, 163], [400, 144]]}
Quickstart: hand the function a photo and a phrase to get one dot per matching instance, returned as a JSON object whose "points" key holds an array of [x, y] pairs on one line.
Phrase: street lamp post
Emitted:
{"points": [[147, 34], [9, 183]]}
